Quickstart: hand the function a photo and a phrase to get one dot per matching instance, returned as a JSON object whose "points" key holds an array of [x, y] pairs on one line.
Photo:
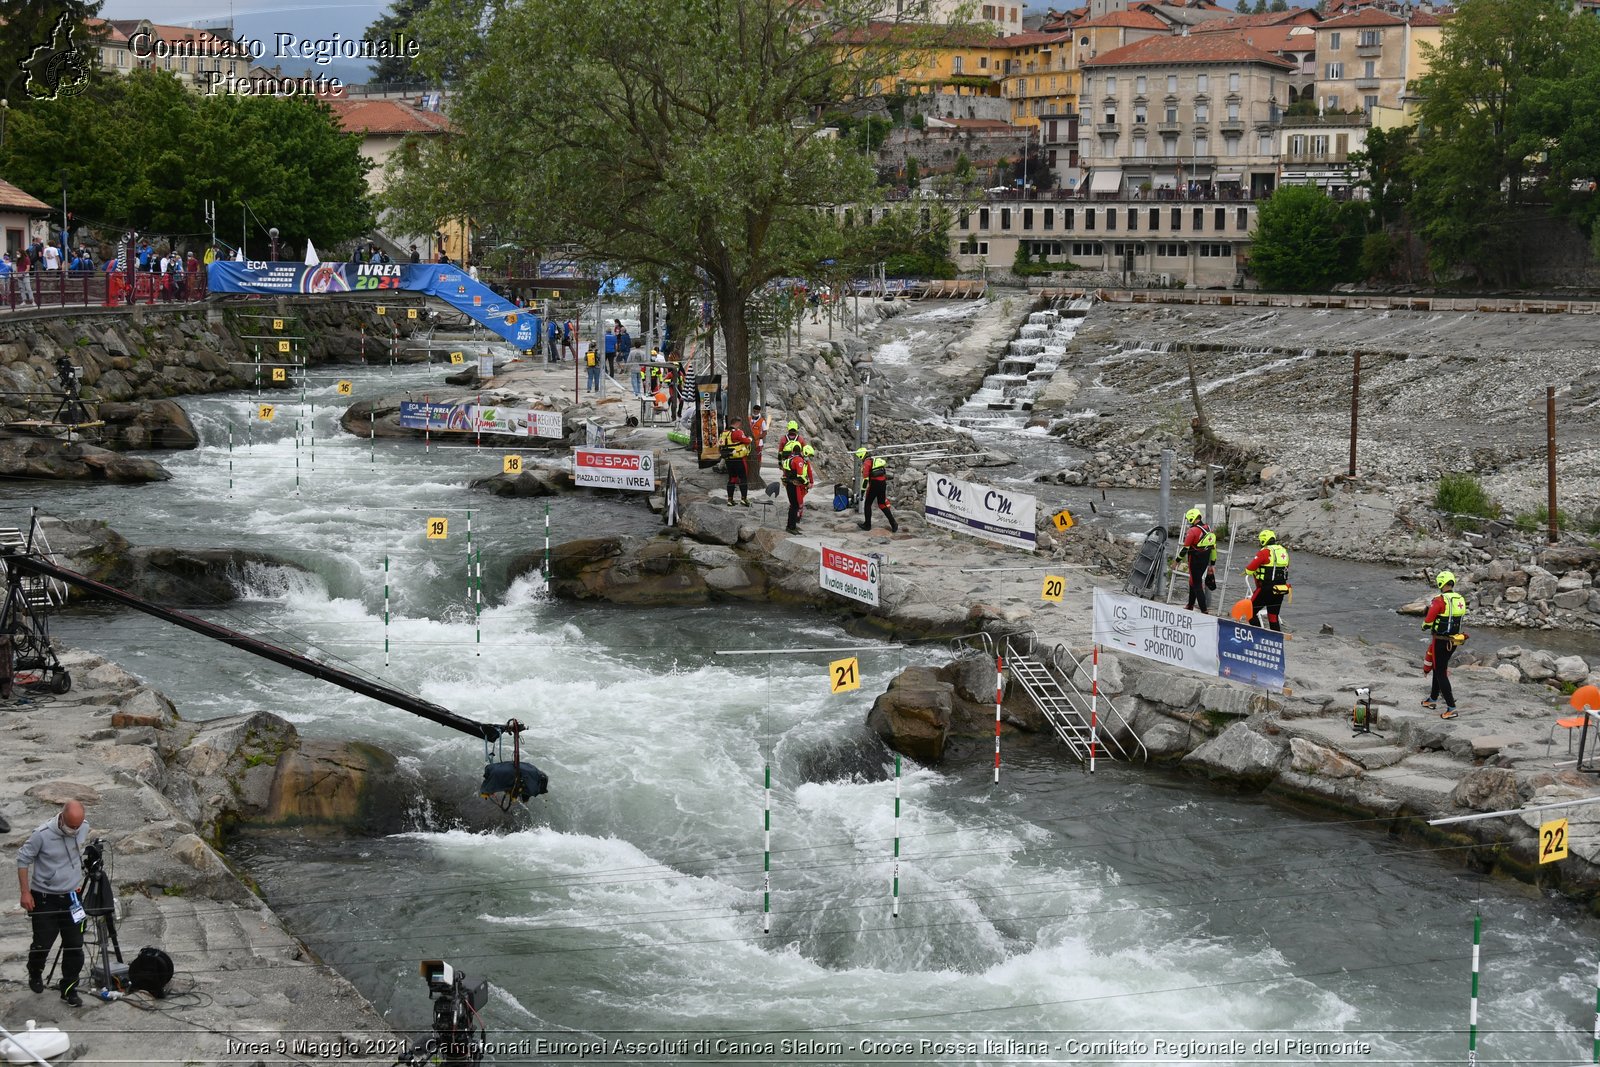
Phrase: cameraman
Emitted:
{"points": [[49, 870]]}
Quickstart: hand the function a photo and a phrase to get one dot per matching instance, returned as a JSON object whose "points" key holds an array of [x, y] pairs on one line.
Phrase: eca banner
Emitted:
{"points": [[1179, 638], [1005, 518], [850, 576], [1188, 639], [609, 468], [422, 415], [1250, 654]]}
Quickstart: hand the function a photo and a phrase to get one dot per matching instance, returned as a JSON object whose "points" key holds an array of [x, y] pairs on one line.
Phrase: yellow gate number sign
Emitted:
{"points": [[1054, 586], [457, 357], [279, 374], [344, 387], [411, 313], [265, 412], [1553, 841], [283, 346], [438, 529], [1062, 520], [382, 310], [511, 465], [844, 674], [277, 324]]}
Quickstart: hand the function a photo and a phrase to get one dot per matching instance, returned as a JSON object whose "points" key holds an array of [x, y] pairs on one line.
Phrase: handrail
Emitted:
{"points": [[980, 641], [1021, 643], [1113, 715]]}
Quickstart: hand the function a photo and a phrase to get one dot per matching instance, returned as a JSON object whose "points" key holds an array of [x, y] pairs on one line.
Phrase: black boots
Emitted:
{"points": [[36, 981]]}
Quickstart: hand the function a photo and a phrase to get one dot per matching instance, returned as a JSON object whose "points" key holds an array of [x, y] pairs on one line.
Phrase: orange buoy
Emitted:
{"points": [[1585, 697], [1242, 610]]}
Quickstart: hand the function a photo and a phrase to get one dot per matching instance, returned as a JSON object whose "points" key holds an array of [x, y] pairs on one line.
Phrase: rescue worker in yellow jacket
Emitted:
{"points": [[1270, 569], [1444, 619]]}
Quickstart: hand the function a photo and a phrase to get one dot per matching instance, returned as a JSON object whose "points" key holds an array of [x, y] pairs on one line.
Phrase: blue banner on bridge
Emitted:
{"points": [[442, 281], [1250, 654]]}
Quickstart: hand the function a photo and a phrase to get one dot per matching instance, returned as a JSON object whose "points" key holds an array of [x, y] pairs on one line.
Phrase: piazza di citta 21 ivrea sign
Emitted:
{"points": [[1192, 640], [996, 515]]}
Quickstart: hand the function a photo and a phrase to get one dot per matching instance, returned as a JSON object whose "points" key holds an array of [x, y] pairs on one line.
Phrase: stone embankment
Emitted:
{"points": [[163, 793]]}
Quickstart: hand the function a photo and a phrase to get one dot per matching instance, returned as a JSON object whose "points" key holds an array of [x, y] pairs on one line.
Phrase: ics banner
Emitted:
{"points": [[1189, 639], [609, 468], [996, 515]]}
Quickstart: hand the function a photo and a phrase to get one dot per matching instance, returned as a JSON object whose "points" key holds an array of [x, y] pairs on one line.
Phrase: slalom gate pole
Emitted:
{"points": [[258, 370], [297, 455], [1472, 1011], [386, 611], [372, 443], [999, 683], [363, 344], [469, 558], [477, 425], [1597, 1018], [427, 424], [1094, 708], [477, 609], [896, 876], [230, 458], [766, 854], [547, 546]]}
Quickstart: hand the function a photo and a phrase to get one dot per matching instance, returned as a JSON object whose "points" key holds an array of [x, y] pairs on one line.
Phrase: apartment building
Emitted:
{"points": [[1180, 115], [1005, 18], [203, 60], [1040, 77], [1316, 150], [960, 62]]}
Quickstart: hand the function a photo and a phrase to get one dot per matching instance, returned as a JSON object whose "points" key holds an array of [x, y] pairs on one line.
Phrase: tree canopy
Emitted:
{"points": [[143, 152], [673, 139], [1300, 243]]}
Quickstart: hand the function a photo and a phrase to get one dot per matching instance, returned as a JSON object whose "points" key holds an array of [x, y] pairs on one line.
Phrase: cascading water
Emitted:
{"points": [[1057, 908], [1004, 399]]}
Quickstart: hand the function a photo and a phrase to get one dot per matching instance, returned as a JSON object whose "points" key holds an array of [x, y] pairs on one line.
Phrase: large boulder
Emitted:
{"points": [[1487, 789], [913, 714], [1238, 755], [1310, 758], [29, 458], [146, 424], [715, 524]]}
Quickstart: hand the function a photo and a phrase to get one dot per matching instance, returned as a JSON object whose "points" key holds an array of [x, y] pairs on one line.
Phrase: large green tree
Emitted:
{"points": [[1497, 107], [674, 139], [1301, 242], [143, 152], [401, 20]]}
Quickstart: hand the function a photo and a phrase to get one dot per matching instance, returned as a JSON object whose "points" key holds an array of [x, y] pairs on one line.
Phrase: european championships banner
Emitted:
{"points": [[1189, 639], [442, 281]]}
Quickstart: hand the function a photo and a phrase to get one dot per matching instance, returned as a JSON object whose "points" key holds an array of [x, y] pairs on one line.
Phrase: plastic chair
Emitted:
{"points": [[1571, 723]]}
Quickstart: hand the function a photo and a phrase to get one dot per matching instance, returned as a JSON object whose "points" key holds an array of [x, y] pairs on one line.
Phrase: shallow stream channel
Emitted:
{"points": [[1129, 917]]}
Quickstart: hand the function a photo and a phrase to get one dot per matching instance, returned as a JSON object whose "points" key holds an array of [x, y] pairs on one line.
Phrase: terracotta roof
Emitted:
{"points": [[386, 116], [1127, 20], [110, 34], [916, 33], [1428, 18], [1366, 17], [1278, 38], [14, 199], [1271, 18], [1024, 40], [1198, 48]]}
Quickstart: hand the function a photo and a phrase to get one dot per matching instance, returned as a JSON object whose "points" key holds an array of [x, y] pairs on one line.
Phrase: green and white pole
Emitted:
{"points": [[477, 608], [1597, 1018], [230, 459], [297, 456], [896, 876], [766, 854], [385, 612], [1472, 1012], [372, 444]]}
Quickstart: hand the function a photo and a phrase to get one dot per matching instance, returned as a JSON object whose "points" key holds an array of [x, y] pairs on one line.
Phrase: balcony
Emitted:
{"points": [[1316, 159], [1366, 83], [1232, 125], [1112, 127], [1369, 51]]}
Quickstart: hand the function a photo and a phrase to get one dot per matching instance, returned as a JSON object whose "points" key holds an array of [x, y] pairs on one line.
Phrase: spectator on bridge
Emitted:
{"points": [[145, 254], [416, 257], [52, 257], [21, 266]]}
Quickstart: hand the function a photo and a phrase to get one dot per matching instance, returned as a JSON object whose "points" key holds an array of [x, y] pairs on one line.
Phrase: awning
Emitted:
{"points": [[1232, 176], [1105, 181]]}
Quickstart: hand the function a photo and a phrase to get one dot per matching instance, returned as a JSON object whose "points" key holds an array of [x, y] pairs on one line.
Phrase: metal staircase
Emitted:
{"points": [[1091, 728], [36, 590]]}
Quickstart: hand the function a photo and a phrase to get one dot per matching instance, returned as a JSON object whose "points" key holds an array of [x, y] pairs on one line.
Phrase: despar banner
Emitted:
{"points": [[1250, 654], [1186, 639], [996, 515]]}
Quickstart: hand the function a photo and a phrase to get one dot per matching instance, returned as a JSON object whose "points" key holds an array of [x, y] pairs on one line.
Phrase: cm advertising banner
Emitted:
{"points": [[1188, 639], [1003, 517], [611, 468]]}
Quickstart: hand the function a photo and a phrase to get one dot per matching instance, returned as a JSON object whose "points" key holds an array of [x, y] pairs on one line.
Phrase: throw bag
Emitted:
{"points": [[841, 497], [150, 971]]}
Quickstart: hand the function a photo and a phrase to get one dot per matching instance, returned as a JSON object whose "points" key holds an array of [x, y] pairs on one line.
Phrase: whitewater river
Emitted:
{"points": [[1054, 918]]}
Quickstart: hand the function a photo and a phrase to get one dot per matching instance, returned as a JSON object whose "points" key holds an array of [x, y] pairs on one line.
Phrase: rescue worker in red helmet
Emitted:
{"points": [[1270, 569]]}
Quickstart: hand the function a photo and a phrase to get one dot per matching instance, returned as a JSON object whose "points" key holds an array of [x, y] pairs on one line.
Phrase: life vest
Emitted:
{"points": [[1448, 621], [1206, 545], [730, 448], [791, 444], [880, 470], [1276, 571], [797, 470], [590, 359]]}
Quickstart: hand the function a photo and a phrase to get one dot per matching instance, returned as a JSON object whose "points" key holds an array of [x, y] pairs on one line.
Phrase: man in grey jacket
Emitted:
{"points": [[49, 871]]}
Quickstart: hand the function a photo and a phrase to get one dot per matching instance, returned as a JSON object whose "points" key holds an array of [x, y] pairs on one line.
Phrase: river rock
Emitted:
{"points": [[1166, 740], [1508, 672], [330, 781], [1487, 789], [715, 524], [1112, 681], [913, 714], [530, 482], [147, 424], [1537, 666], [1541, 584], [50, 459], [1310, 758], [1240, 755], [1571, 669], [1173, 690], [1572, 600]]}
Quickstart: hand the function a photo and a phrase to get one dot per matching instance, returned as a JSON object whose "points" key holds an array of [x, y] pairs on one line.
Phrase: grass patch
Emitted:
{"points": [[1464, 501]]}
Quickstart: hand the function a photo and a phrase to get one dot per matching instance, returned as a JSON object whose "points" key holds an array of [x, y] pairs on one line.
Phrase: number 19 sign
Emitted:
{"points": [[850, 576]]}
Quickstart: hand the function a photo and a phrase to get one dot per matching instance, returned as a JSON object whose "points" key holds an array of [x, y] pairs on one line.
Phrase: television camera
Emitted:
{"points": [[459, 1037]]}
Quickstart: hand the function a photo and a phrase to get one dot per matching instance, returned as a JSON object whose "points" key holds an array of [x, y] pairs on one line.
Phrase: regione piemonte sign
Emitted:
{"points": [[996, 515], [855, 577], [610, 468]]}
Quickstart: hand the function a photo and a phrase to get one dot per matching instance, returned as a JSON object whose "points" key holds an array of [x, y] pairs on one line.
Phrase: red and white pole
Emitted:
{"points": [[999, 683], [1094, 707]]}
